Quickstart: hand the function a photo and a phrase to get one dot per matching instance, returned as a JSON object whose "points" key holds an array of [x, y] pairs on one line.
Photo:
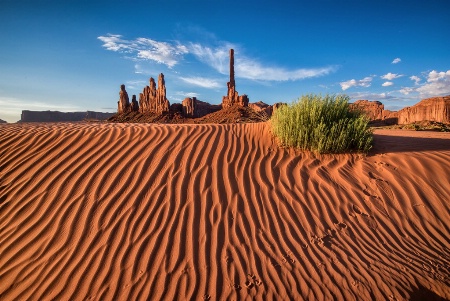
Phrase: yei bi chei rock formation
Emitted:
{"points": [[153, 99]]}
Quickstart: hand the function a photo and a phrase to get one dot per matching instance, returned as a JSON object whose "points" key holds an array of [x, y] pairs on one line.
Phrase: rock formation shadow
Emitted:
{"points": [[398, 144]]}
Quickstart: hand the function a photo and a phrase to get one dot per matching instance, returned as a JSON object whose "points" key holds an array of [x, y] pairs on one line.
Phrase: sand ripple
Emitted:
{"points": [[135, 211]]}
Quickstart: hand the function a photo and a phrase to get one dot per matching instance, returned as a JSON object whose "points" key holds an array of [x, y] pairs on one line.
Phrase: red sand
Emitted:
{"points": [[138, 211]]}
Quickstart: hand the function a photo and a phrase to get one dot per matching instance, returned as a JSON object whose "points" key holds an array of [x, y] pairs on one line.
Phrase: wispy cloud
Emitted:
{"points": [[396, 61], [252, 69], [136, 84], [249, 68], [202, 82], [146, 49], [391, 76], [187, 94], [365, 82], [387, 84], [217, 57]]}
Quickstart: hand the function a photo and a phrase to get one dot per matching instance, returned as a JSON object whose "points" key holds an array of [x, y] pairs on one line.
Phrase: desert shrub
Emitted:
{"points": [[322, 124]]}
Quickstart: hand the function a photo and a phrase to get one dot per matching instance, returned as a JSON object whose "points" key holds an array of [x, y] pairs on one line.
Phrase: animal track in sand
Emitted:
{"points": [[253, 281], [288, 257], [235, 286], [228, 259]]}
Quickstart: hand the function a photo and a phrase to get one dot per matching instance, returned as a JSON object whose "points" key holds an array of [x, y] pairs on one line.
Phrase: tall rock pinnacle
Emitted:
{"points": [[123, 105], [233, 97], [232, 83]]}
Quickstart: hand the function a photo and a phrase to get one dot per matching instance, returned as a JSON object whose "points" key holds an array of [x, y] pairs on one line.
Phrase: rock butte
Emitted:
{"points": [[431, 109]]}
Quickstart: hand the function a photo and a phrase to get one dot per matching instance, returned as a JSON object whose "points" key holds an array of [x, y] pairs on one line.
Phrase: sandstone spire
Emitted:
{"points": [[233, 97], [123, 105], [232, 83], [153, 99]]}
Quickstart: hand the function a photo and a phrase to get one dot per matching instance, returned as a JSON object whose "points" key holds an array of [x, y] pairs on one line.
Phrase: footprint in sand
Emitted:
{"points": [[384, 189], [368, 219]]}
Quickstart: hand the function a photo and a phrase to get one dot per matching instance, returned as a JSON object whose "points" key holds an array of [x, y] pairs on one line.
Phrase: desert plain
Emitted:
{"points": [[123, 211]]}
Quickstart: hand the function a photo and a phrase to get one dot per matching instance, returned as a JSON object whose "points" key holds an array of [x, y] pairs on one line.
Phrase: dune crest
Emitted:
{"points": [[138, 211]]}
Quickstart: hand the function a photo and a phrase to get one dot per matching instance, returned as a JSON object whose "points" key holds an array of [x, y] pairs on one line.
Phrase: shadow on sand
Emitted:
{"points": [[423, 294], [397, 144]]}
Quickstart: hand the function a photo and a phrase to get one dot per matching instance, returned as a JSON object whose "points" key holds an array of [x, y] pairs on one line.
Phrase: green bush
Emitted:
{"points": [[322, 124]]}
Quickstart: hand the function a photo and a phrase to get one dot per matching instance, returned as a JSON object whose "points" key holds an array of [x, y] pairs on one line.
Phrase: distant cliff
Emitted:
{"points": [[435, 109], [430, 109], [56, 116]]}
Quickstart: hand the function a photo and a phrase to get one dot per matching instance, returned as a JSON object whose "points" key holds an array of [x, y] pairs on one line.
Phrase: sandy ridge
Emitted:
{"points": [[133, 211]]}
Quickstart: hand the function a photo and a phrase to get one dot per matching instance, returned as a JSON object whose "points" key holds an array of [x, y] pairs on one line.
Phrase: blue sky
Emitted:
{"points": [[74, 55]]}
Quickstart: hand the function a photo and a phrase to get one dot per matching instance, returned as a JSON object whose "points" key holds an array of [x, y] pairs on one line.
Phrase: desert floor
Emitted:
{"points": [[96, 211]]}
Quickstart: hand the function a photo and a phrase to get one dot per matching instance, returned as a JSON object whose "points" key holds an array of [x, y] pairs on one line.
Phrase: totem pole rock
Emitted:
{"points": [[233, 97]]}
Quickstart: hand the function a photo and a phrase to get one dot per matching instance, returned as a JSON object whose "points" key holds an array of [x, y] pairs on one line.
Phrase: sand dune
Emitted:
{"points": [[215, 212]]}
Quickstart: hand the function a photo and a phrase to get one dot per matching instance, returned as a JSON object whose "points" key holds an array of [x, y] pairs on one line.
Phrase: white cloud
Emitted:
{"points": [[146, 49], [391, 76], [438, 83], [160, 52], [202, 82], [387, 84], [407, 90], [365, 82], [114, 42], [396, 61], [416, 79]]}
